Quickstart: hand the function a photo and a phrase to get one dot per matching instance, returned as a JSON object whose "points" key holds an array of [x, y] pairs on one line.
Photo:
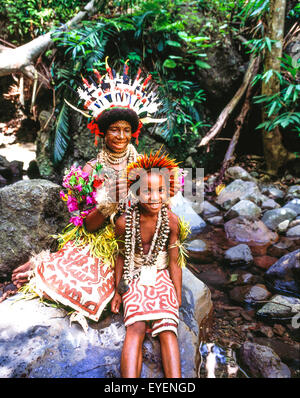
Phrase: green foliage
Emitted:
{"points": [[282, 108], [30, 18]]}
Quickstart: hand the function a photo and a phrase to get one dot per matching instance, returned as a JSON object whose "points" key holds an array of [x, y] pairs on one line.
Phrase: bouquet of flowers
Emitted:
{"points": [[81, 192]]}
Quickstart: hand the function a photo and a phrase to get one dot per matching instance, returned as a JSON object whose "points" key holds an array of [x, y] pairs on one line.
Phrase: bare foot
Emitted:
{"points": [[21, 275]]}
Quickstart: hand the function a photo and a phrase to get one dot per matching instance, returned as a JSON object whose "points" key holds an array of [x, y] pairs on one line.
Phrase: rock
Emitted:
{"points": [[272, 192], [262, 361], [249, 294], [269, 204], [272, 218], [266, 331], [199, 251], [289, 354], [239, 190], [293, 204], [280, 248], [183, 209], [264, 262], [294, 231], [37, 341], [253, 233], [283, 226], [293, 192], [280, 307], [208, 210], [237, 172], [215, 278], [284, 275], [244, 208], [217, 220], [279, 329], [238, 255], [31, 212], [256, 293]]}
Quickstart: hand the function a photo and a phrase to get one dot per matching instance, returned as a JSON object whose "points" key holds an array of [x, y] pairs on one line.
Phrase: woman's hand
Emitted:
{"points": [[116, 303]]}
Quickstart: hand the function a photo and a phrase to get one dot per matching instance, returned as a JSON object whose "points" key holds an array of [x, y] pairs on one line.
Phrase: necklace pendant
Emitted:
{"points": [[148, 275]]}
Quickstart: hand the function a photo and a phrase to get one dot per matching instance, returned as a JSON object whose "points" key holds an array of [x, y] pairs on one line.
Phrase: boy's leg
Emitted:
{"points": [[131, 358], [170, 354]]}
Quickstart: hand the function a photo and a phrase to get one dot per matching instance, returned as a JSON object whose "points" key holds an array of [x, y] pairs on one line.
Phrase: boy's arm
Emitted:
{"points": [[119, 232], [173, 251]]}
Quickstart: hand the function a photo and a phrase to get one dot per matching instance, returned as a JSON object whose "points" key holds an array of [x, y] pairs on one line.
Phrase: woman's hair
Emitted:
{"points": [[115, 114]]}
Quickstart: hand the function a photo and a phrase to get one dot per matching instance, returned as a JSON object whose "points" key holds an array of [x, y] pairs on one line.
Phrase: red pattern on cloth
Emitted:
{"points": [[149, 303], [76, 279]]}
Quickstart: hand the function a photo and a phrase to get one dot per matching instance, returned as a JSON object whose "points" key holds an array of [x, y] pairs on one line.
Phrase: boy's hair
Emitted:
{"points": [[157, 162]]}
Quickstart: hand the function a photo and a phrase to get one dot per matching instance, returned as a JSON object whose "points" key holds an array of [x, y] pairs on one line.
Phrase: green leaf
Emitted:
{"points": [[61, 138], [202, 64], [173, 43], [169, 63]]}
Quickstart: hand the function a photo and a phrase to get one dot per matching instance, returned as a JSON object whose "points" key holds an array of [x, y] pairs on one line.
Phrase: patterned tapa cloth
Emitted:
{"points": [[157, 305], [76, 279]]}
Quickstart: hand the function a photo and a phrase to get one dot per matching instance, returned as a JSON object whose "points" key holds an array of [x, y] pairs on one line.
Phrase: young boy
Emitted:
{"points": [[148, 268]]}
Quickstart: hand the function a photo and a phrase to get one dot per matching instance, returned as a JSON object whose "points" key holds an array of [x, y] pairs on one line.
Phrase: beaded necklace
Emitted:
{"points": [[133, 240]]}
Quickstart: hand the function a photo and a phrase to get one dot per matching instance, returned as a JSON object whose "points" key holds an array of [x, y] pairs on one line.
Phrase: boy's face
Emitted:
{"points": [[153, 192]]}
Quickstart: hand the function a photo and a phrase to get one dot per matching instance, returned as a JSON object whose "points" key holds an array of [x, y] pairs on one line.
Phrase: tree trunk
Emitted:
{"points": [[275, 153]]}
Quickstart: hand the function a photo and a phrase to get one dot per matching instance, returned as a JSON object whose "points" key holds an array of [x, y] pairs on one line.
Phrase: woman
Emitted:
{"points": [[73, 276]]}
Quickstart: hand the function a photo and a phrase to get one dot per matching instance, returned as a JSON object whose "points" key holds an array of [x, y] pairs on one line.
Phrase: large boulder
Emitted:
{"points": [[38, 341], [30, 212], [262, 361]]}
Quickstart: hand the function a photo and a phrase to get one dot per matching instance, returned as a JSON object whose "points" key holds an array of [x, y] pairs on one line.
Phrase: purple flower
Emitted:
{"points": [[72, 204]]}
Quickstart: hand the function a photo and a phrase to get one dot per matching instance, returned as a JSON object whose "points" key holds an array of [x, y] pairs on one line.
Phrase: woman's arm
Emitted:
{"points": [[119, 266], [173, 251]]}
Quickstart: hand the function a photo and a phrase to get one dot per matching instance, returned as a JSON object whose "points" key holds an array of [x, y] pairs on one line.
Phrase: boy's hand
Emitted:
{"points": [[116, 303]]}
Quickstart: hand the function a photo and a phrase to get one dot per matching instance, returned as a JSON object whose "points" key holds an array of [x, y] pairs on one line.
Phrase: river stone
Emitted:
{"points": [[38, 341], [280, 307], [238, 255], [199, 251], [284, 276], [272, 192], [249, 294], [293, 204], [274, 217], [182, 208], [269, 204], [30, 212], [239, 190], [237, 172], [294, 231], [293, 192], [262, 361], [244, 208], [283, 226], [254, 233], [208, 210]]}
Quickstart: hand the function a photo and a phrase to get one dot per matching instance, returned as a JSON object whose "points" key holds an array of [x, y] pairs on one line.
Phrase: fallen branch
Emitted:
{"points": [[21, 59], [222, 119], [239, 121]]}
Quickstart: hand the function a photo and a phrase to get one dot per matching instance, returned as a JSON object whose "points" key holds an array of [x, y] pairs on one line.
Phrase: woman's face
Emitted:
{"points": [[118, 136]]}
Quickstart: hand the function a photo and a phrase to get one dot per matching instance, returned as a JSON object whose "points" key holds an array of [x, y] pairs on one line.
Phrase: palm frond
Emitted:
{"points": [[61, 138]]}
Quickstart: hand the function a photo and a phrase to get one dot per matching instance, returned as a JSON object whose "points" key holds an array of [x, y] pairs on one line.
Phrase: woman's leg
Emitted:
{"points": [[131, 358], [170, 354]]}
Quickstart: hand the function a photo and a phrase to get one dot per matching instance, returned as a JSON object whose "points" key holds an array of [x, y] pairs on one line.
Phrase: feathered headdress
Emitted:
{"points": [[114, 90], [159, 161]]}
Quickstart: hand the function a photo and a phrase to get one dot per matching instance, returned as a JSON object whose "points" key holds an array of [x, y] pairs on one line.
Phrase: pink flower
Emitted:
{"points": [[78, 221], [72, 204], [78, 187], [89, 200]]}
